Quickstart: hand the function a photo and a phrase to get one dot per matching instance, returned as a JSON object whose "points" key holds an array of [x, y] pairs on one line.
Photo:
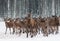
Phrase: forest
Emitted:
{"points": [[19, 8]]}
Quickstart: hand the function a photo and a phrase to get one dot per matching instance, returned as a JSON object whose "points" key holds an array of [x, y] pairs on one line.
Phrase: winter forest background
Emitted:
{"points": [[19, 8]]}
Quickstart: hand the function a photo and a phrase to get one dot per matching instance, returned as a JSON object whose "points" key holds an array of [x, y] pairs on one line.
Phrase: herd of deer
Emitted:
{"points": [[33, 26]]}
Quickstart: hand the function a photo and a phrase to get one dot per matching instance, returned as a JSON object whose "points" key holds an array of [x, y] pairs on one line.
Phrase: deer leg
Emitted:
{"points": [[56, 30], [44, 32], [47, 32], [13, 30], [31, 31], [20, 31], [31, 34], [39, 30], [16, 30], [10, 30], [35, 33], [27, 32], [23, 30], [6, 31], [52, 28]]}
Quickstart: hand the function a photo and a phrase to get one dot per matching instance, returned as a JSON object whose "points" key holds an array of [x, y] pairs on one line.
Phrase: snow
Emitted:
{"points": [[22, 37]]}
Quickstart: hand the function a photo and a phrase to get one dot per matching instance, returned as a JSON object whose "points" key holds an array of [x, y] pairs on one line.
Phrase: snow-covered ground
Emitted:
{"points": [[15, 37]]}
